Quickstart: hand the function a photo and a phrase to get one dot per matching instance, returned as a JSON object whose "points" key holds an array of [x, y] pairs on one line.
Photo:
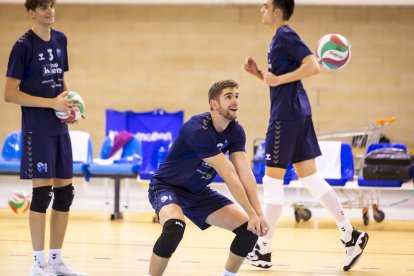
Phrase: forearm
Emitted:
{"points": [[259, 74], [308, 68], [236, 189], [12, 94], [245, 174], [227, 171], [24, 99], [250, 187]]}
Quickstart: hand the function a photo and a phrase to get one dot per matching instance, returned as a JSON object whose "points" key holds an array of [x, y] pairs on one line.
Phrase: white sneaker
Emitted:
{"points": [[354, 248], [41, 269], [260, 257], [61, 269]]}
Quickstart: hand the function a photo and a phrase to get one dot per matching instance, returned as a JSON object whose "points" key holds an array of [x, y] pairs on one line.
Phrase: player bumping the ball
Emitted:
{"points": [[180, 186], [290, 136], [35, 80]]}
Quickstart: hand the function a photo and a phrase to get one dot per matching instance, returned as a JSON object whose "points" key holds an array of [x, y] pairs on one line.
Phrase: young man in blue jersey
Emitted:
{"points": [[180, 186], [35, 81], [290, 136]]}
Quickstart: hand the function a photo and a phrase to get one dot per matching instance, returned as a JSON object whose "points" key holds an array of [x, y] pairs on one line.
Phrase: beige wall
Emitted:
{"points": [[145, 57]]}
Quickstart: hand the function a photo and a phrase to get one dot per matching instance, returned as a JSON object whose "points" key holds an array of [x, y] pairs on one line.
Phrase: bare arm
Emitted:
{"points": [[242, 166], [12, 94], [309, 67], [226, 170]]}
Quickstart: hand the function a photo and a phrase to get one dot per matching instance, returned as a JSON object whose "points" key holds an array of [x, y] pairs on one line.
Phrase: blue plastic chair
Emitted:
{"points": [[127, 166], [11, 154], [129, 163], [347, 167], [12, 146], [159, 152], [259, 165], [290, 174], [376, 146]]}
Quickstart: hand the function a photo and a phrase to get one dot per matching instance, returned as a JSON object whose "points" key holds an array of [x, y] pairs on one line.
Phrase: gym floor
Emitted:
{"points": [[98, 246]]}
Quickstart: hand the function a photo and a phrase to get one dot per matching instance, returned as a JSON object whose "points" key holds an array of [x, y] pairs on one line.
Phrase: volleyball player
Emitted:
{"points": [[35, 81], [290, 136], [180, 185]]}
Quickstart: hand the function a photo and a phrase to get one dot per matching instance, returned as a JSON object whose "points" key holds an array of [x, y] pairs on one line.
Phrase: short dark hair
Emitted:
{"points": [[287, 7], [33, 4], [216, 89]]}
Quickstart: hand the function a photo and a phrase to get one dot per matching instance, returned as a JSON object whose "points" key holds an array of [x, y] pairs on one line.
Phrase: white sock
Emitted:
{"points": [[323, 192], [39, 256], [346, 230], [265, 245], [273, 206], [55, 256], [331, 203], [272, 214], [227, 273]]}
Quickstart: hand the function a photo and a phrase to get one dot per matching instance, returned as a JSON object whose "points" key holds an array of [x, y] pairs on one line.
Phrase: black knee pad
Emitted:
{"points": [[171, 236], [63, 198], [41, 198], [244, 241]]}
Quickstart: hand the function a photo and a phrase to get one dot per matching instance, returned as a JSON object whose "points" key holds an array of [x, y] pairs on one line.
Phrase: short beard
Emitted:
{"points": [[227, 114]]}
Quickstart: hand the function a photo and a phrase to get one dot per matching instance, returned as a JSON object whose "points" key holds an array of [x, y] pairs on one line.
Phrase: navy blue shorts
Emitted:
{"points": [[196, 207], [291, 142], [46, 157]]}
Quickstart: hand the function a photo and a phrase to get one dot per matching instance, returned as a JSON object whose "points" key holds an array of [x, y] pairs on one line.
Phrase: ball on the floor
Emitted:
{"points": [[19, 202]]}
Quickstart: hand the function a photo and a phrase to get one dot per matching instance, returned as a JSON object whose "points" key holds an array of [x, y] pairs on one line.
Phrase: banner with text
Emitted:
{"points": [[155, 129]]}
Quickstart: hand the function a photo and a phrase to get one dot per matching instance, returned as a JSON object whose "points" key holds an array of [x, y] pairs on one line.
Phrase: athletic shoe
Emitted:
{"points": [[354, 248], [61, 269], [41, 269], [259, 258]]}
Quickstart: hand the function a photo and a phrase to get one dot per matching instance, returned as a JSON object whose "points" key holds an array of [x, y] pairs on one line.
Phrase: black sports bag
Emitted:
{"points": [[388, 164]]}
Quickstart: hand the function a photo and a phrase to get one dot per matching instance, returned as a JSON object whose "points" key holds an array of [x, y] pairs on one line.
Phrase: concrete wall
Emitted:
{"points": [[142, 57]]}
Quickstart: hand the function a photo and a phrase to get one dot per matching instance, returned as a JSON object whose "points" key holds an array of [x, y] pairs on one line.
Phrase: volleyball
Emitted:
{"points": [[19, 202], [73, 116], [333, 51]]}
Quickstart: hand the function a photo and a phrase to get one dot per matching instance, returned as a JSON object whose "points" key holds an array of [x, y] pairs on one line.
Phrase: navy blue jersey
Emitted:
{"points": [[198, 139], [40, 65], [285, 54]]}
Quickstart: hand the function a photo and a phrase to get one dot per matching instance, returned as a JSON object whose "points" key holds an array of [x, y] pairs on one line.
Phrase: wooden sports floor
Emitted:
{"points": [[98, 246]]}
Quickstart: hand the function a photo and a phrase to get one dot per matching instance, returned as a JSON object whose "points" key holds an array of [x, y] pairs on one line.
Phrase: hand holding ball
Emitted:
{"points": [[73, 115]]}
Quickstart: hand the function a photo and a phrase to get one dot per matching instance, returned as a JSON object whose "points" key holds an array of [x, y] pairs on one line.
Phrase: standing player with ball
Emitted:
{"points": [[290, 136], [35, 81]]}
